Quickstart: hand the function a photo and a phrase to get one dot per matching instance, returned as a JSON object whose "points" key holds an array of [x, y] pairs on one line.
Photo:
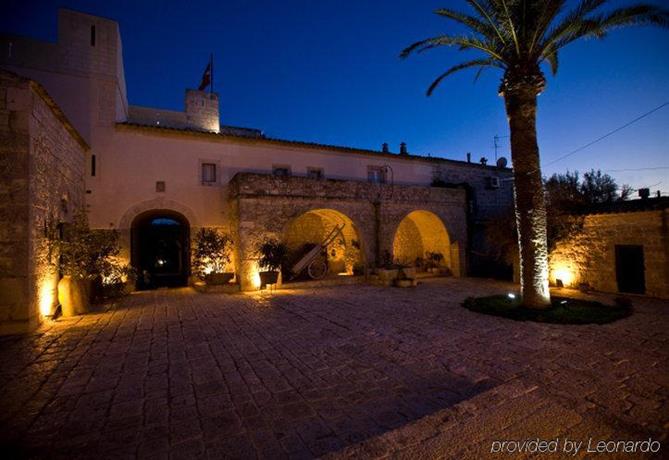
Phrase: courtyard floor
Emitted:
{"points": [[343, 372]]}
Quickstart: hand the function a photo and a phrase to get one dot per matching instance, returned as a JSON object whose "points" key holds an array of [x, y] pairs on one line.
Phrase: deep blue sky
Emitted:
{"points": [[328, 71]]}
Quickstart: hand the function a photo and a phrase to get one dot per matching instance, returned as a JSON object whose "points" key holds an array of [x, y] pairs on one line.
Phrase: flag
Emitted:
{"points": [[206, 77]]}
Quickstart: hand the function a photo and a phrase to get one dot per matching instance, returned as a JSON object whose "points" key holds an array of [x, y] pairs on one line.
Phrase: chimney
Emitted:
{"points": [[403, 149], [469, 157], [644, 193], [202, 111], [384, 148]]}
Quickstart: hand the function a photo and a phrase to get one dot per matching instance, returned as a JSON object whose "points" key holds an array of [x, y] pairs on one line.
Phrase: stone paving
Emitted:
{"points": [[347, 372]]}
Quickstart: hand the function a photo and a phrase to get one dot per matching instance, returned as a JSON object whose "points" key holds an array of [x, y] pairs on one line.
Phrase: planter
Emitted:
{"points": [[216, 279], [387, 275], [404, 283], [73, 296], [268, 278]]}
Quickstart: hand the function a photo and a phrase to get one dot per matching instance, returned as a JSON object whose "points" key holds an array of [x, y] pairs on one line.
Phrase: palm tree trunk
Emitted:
{"points": [[521, 109]]}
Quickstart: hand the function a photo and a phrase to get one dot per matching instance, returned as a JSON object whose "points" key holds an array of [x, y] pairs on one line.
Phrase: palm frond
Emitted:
{"points": [[551, 9], [552, 59], [512, 27], [473, 23], [489, 62], [598, 26], [571, 22], [463, 42], [642, 14], [488, 14]]}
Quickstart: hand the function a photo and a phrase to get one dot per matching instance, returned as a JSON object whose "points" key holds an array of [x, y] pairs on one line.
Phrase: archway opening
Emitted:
{"points": [[421, 240], [342, 255], [160, 249]]}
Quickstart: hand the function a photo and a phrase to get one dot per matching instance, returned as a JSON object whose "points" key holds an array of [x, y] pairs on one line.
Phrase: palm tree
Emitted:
{"points": [[518, 36]]}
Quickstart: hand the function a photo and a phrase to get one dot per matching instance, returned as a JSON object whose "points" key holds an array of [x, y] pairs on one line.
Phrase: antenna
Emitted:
{"points": [[496, 143]]}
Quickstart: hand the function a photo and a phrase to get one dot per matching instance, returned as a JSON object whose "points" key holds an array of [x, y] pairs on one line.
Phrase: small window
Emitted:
{"points": [[208, 173], [93, 165], [282, 171], [315, 173], [160, 186], [376, 174], [92, 35]]}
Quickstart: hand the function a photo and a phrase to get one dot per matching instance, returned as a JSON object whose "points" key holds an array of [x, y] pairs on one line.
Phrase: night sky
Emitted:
{"points": [[328, 71]]}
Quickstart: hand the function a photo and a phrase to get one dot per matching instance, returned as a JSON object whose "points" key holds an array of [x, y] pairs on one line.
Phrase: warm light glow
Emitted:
{"points": [[563, 274], [255, 278], [46, 297]]}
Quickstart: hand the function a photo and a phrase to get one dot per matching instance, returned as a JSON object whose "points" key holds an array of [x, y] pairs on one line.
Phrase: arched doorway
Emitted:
{"points": [[421, 237], [160, 249], [343, 256]]}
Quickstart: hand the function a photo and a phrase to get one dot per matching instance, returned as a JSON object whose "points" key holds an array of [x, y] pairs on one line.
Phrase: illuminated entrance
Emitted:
{"points": [[160, 249]]}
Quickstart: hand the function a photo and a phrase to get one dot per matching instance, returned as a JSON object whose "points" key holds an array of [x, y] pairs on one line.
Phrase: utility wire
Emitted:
{"points": [[610, 133], [653, 168]]}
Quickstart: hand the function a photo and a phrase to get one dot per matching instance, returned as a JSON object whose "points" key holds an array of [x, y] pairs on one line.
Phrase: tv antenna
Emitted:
{"points": [[496, 143]]}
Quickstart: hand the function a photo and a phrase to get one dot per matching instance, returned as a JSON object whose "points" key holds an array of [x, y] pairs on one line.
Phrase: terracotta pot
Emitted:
{"points": [[268, 278], [218, 278], [404, 283], [387, 275], [73, 296]]}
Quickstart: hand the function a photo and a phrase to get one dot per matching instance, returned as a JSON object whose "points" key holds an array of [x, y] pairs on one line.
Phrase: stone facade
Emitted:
{"points": [[264, 206], [146, 161], [202, 111], [42, 184], [590, 256]]}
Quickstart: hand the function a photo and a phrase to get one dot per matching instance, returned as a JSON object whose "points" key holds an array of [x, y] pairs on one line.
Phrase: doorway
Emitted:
{"points": [[630, 269], [160, 249]]}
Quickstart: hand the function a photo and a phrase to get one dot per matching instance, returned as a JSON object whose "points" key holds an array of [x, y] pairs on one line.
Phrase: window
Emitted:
{"points": [[281, 170], [93, 165], [160, 186], [92, 35], [315, 173], [208, 173], [376, 174]]}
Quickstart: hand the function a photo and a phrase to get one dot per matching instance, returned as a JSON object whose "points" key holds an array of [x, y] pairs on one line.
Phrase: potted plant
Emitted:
{"points": [[388, 270], [434, 261], [272, 258], [86, 258], [406, 277], [211, 256], [407, 271]]}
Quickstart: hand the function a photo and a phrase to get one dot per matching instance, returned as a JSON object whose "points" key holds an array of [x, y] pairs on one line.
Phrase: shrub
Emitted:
{"points": [[85, 253], [273, 255], [212, 252]]}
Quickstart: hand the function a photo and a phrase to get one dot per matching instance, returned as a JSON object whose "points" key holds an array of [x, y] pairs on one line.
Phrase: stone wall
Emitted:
{"points": [[41, 184], [265, 205], [590, 256], [202, 111]]}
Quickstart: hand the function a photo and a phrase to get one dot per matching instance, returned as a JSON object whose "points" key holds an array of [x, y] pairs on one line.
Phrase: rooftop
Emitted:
{"points": [[234, 134]]}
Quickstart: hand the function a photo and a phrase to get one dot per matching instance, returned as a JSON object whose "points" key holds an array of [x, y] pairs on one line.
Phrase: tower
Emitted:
{"points": [[202, 111]]}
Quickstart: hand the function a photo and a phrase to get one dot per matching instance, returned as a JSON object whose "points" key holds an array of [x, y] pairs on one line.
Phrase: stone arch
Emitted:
{"points": [[419, 233], [346, 255], [157, 203]]}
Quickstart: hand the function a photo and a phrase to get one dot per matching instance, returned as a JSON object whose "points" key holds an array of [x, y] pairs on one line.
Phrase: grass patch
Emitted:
{"points": [[561, 311]]}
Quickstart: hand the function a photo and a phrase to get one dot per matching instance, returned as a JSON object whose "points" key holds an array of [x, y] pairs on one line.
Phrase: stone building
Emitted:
{"points": [[158, 175], [622, 247], [42, 160]]}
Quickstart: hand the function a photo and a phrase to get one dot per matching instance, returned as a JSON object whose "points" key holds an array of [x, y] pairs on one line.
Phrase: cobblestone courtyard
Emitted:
{"points": [[355, 371]]}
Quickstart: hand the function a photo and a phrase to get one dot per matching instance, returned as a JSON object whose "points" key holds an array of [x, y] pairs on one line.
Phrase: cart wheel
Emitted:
{"points": [[318, 269]]}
